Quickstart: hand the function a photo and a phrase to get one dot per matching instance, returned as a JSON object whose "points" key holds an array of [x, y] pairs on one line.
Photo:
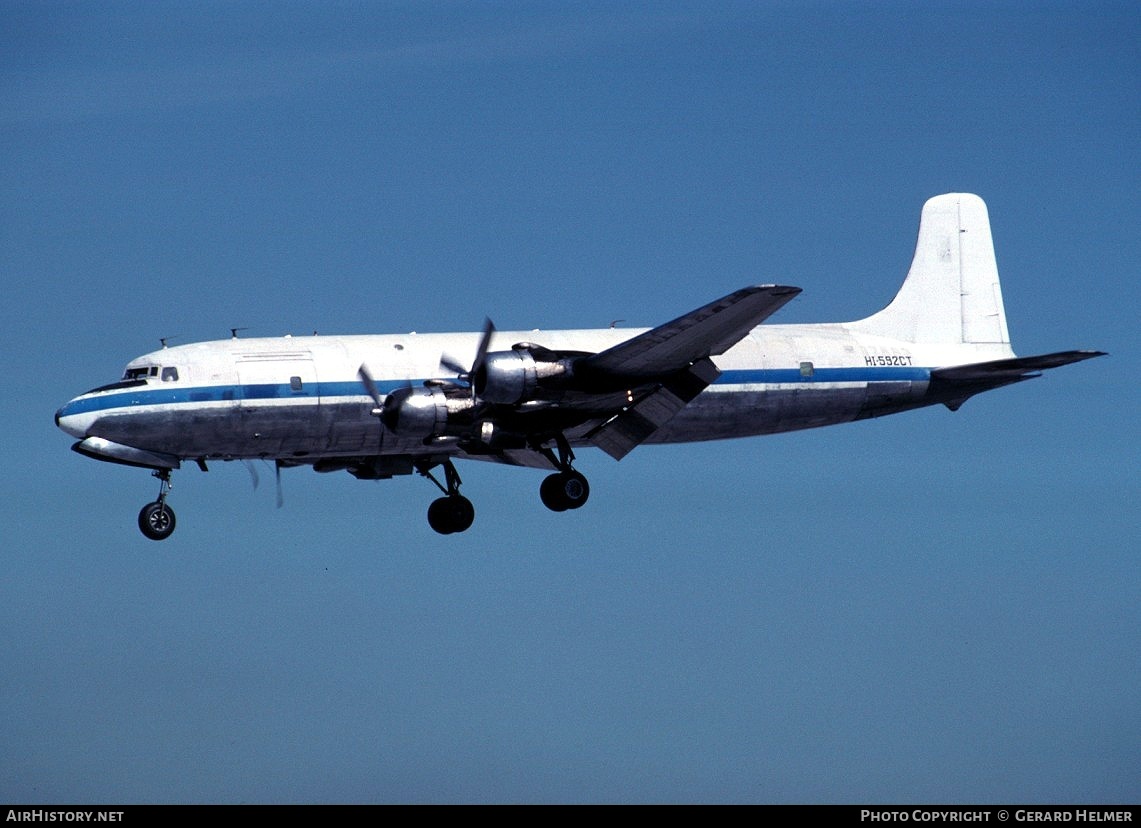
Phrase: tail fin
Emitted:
{"points": [[951, 294]]}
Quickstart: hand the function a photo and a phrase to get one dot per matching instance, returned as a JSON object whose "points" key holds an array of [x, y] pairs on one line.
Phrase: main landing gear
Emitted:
{"points": [[563, 490], [453, 512], [156, 520], [566, 488]]}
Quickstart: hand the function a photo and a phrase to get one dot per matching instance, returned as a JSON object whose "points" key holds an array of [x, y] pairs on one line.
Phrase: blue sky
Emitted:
{"points": [[932, 607]]}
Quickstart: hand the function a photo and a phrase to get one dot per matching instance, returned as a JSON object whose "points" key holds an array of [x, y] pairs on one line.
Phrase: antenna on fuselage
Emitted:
{"points": [[234, 332], [163, 340]]}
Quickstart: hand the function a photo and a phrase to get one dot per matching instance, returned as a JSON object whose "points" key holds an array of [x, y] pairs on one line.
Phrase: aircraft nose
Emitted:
{"points": [[68, 419]]}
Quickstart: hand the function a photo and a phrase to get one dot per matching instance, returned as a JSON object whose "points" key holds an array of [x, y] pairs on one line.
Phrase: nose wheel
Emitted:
{"points": [[156, 520]]}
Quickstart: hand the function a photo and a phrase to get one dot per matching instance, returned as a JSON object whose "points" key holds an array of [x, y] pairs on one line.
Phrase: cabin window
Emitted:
{"points": [[170, 374], [295, 383], [806, 370]]}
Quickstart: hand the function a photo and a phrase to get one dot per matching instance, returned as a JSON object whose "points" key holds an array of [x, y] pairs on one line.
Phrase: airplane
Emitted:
{"points": [[378, 406]]}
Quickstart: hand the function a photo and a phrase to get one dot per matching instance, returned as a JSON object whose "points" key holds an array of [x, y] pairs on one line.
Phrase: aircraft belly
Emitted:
{"points": [[219, 431], [312, 428], [350, 428], [721, 413], [292, 428], [890, 397], [171, 429]]}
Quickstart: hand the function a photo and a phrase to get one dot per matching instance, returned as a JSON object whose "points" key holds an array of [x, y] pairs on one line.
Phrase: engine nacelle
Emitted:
{"points": [[423, 412], [509, 377]]}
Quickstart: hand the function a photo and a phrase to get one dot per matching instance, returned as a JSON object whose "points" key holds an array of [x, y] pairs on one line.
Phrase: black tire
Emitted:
{"points": [[564, 490], [551, 493], [156, 521], [439, 516], [451, 514], [463, 513]]}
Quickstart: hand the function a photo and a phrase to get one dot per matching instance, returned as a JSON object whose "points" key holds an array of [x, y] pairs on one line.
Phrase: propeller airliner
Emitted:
{"points": [[388, 405]]}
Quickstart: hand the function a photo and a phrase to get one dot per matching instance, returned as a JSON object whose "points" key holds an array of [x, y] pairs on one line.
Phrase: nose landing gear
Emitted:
{"points": [[156, 520]]}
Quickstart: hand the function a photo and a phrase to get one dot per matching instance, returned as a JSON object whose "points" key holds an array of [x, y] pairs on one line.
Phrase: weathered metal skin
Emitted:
{"points": [[219, 408]]}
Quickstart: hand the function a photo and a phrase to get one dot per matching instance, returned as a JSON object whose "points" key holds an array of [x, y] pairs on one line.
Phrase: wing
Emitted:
{"points": [[521, 402], [708, 331], [674, 359], [527, 458]]}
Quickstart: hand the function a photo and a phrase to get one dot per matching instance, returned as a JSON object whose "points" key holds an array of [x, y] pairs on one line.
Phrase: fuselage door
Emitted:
{"points": [[279, 401]]}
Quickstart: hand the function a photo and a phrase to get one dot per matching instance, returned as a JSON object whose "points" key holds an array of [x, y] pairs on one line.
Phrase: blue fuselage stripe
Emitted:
{"points": [[152, 395]]}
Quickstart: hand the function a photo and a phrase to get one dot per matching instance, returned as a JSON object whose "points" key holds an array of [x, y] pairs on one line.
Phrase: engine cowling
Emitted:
{"points": [[424, 412], [509, 377]]}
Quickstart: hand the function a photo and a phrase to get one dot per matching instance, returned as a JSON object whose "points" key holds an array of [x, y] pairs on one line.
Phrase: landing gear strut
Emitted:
{"points": [[453, 512], [156, 520], [566, 488]]}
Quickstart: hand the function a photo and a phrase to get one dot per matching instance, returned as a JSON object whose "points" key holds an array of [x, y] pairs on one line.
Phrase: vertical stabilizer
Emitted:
{"points": [[951, 294]]}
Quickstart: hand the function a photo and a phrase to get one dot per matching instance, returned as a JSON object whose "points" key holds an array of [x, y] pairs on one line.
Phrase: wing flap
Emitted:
{"points": [[619, 435], [708, 331]]}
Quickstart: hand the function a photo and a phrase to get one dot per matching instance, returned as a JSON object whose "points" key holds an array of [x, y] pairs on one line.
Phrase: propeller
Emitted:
{"points": [[370, 386], [386, 410], [277, 482], [255, 478], [468, 374]]}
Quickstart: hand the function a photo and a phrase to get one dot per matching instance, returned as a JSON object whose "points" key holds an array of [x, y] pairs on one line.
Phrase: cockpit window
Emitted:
{"points": [[142, 372], [118, 386], [170, 374]]}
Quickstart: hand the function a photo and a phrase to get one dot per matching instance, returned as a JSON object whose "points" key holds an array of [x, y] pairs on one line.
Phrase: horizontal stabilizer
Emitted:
{"points": [[707, 331], [955, 385], [1008, 370]]}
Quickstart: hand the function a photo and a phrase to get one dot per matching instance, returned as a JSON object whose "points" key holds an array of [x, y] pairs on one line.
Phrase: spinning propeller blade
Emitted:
{"points": [[277, 478], [255, 478], [484, 343], [455, 366], [370, 386]]}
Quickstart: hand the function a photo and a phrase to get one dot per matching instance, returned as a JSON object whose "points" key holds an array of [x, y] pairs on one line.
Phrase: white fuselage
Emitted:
{"points": [[300, 398]]}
